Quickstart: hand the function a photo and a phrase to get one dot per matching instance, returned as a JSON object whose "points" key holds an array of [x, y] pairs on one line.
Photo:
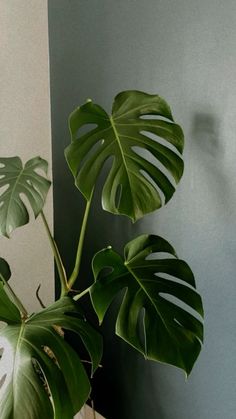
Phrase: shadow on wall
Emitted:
{"points": [[210, 152], [206, 130]]}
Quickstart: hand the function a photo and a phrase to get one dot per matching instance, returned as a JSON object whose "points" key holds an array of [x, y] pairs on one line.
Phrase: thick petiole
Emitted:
{"points": [[59, 264], [76, 269]]}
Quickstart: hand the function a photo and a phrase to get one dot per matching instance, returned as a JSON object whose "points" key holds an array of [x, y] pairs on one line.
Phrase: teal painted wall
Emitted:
{"points": [[185, 51]]}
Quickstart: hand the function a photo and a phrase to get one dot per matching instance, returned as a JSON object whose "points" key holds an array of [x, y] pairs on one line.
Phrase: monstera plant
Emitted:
{"points": [[41, 374]]}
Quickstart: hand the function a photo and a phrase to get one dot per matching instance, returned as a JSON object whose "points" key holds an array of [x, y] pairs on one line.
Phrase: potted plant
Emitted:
{"points": [[41, 374]]}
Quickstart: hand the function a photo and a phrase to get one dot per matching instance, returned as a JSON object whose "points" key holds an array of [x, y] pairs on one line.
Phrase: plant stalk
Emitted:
{"points": [[57, 256], [14, 297], [78, 296], [76, 269]]}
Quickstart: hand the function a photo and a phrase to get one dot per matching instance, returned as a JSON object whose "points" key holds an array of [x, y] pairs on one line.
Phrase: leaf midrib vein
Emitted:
{"points": [[121, 151], [149, 298]]}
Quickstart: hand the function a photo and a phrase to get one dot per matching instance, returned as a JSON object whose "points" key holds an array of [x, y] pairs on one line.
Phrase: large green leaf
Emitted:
{"points": [[134, 183], [161, 327], [42, 375], [17, 181]]}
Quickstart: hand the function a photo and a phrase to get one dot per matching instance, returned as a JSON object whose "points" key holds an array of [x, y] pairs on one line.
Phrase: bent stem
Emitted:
{"points": [[57, 256], [14, 298], [76, 269]]}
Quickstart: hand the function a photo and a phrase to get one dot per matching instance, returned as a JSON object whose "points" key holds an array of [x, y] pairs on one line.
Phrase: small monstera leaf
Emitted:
{"points": [[21, 181], [40, 373], [133, 184], [161, 327]]}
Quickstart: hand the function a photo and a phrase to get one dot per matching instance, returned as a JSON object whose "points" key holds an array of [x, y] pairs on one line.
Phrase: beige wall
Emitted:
{"points": [[87, 413], [25, 128], [25, 131]]}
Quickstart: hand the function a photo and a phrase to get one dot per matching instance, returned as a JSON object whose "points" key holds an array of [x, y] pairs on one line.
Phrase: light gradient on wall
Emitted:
{"points": [[185, 51], [25, 128]]}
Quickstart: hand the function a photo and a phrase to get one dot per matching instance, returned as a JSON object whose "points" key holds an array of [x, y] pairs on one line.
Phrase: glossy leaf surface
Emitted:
{"points": [[158, 314], [20, 181], [42, 375], [134, 182]]}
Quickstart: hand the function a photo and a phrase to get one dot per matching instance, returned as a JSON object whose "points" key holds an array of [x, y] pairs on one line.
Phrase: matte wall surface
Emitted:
{"points": [[26, 132], [185, 51]]}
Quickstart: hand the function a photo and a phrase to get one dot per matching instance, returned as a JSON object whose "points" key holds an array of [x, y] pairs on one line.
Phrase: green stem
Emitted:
{"points": [[14, 298], [78, 296], [59, 264], [76, 269]]}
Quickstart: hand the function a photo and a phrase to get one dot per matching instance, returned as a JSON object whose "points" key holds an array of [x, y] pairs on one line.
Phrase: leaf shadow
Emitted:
{"points": [[209, 151]]}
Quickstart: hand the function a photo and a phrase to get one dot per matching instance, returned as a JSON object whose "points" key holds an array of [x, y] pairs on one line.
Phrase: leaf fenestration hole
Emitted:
{"points": [[141, 327], [84, 129], [157, 117], [2, 380], [40, 171], [153, 183], [89, 156], [34, 187], [179, 303], [118, 196], [147, 155], [25, 202], [160, 140], [169, 277], [4, 188], [105, 271], [159, 256]]}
